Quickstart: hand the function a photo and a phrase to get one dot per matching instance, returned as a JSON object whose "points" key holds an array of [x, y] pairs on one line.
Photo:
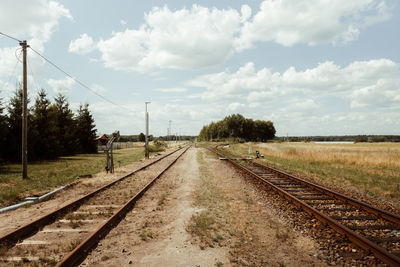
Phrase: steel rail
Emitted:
{"points": [[377, 211], [29, 229], [76, 256], [357, 239]]}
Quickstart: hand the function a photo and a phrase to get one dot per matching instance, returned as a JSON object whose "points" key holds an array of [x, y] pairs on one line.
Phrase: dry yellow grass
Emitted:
{"points": [[370, 167]]}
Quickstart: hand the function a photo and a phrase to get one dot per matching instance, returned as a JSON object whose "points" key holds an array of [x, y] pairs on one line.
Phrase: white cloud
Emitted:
{"points": [[61, 86], [374, 83], [83, 45], [289, 22], [201, 37], [34, 21], [236, 107], [183, 39], [37, 19], [171, 90]]}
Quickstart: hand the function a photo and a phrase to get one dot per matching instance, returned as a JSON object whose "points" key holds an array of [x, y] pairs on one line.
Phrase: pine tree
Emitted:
{"points": [[14, 123], [65, 126], [3, 132], [85, 130], [46, 143]]}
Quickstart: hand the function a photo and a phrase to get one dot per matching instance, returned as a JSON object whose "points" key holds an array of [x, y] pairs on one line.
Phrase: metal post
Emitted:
{"points": [[24, 114], [169, 132], [147, 132]]}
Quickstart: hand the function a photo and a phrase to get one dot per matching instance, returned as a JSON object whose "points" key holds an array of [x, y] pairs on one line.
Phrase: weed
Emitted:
{"points": [[282, 235], [162, 199], [201, 224], [48, 261], [219, 264], [75, 216], [145, 235], [3, 250], [75, 224], [104, 258], [73, 244]]}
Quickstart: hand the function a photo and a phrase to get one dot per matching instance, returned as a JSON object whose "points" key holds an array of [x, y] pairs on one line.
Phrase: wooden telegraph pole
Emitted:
{"points": [[24, 114]]}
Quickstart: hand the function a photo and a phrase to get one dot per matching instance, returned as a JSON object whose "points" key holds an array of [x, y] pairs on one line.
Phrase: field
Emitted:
{"points": [[46, 175], [372, 168]]}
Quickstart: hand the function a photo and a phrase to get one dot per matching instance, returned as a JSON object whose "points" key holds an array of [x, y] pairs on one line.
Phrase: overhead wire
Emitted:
{"points": [[9, 36], [79, 82], [33, 77], [69, 75]]}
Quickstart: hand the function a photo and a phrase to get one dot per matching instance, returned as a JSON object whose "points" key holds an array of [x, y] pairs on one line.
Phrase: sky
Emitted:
{"points": [[312, 67]]}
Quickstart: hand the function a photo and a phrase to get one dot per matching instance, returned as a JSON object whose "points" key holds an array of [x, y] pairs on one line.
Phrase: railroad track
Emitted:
{"points": [[65, 236], [371, 228]]}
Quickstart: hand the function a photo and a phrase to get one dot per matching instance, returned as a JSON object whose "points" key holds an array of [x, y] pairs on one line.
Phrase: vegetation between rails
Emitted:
{"points": [[230, 217], [371, 168], [48, 174], [208, 224]]}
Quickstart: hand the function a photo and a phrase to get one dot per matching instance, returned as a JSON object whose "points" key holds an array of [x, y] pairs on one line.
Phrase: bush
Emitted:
{"points": [[157, 146]]}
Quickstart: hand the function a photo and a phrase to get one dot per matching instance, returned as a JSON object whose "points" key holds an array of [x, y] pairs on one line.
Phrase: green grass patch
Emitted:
{"points": [[45, 175], [208, 223]]}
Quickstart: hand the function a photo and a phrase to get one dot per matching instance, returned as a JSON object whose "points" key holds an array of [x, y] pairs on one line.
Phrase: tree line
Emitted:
{"points": [[355, 138], [53, 129], [239, 128]]}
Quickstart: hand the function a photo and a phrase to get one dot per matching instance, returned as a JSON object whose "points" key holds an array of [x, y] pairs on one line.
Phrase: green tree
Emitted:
{"points": [[14, 124], [3, 132], [85, 133], [141, 137], [65, 126], [46, 144], [239, 128]]}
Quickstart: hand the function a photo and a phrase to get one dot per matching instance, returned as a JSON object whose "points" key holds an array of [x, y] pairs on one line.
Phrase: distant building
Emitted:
{"points": [[102, 140]]}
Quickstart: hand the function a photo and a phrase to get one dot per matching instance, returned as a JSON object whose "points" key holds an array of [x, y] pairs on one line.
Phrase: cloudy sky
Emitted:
{"points": [[313, 67]]}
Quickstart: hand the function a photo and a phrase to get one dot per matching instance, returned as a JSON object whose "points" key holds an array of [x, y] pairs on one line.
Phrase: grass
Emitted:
{"points": [[207, 224], [45, 175], [371, 168]]}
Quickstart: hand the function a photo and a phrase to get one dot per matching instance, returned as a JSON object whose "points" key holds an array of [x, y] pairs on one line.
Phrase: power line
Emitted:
{"points": [[9, 36], [75, 79], [79, 82]]}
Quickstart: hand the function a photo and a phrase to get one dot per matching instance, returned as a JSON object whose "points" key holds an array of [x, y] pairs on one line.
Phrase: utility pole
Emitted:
{"points": [[169, 133], [24, 113], [147, 131]]}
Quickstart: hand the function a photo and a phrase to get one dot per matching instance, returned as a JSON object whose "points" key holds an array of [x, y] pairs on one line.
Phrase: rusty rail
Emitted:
{"points": [[10, 239], [364, 243]]}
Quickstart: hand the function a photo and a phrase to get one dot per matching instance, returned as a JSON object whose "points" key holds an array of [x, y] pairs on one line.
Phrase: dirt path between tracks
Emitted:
{"points": [[201, 213]]}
